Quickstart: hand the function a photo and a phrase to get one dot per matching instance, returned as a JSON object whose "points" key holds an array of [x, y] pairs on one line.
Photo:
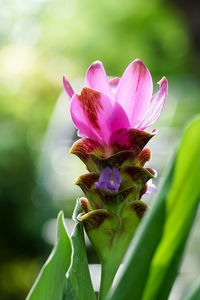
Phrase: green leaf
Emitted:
{"points": [[173, 267], [155, 252], [194, 291], [181, 206], [50, 282], [79, 285]]}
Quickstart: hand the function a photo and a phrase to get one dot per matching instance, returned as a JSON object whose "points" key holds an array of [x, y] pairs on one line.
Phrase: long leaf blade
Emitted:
{"points": [[79, 285], [50, 282], [181, 206]]}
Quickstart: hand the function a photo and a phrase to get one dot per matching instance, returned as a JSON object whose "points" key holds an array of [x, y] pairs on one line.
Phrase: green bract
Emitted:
{"points": [[110, 220]]}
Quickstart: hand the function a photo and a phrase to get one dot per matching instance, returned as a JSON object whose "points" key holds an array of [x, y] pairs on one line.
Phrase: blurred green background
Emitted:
{"points": [[40, 40]]}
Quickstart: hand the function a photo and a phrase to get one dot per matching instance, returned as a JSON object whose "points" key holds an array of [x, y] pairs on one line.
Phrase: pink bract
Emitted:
{"points": [[106, 106]]}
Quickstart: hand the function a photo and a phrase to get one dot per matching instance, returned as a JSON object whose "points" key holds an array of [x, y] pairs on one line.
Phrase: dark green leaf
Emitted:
{"points": [[51, 281], [173, 267], [181, 205]]}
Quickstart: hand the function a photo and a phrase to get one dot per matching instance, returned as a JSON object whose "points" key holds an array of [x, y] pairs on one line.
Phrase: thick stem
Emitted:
{"points": [[108, 271]]}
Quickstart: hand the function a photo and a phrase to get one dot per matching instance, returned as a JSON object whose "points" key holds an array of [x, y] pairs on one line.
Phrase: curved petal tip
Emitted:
{"points": [[93, 68], [163, 83], [96, 78], [69, 90], [96, 63], [137, 60]]}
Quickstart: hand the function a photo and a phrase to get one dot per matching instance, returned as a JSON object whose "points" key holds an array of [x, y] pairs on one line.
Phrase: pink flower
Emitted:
{"points": [[104, 107]]}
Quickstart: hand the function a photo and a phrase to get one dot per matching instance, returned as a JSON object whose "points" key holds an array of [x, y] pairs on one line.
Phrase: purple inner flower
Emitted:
{"points": [[109, 181], [151, 187]]}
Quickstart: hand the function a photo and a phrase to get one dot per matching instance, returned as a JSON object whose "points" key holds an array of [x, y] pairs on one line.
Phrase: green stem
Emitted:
{"points": [[108, 271]]}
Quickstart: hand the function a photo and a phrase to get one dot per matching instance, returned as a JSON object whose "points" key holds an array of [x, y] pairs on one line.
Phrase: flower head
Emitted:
{"points": [[104, 107], [111, 117], [109, 181]]}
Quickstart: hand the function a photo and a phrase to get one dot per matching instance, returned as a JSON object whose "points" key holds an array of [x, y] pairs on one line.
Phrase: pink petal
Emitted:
{"points": [[96, 79], [68, 88], [114, 82], [80, 117], [156, 105], [134, 91], [118, 118], [95, 115]]}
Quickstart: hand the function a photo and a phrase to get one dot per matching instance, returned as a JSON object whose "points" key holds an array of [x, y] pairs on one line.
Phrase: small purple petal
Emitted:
{"points": [[97, 185], [105, 175], [69, 90], [117, 175], [150, 187], [109, 181]]}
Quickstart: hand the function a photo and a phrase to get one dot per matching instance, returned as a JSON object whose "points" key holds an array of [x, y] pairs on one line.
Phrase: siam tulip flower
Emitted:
{"points": [[104, 107], [111, 118]]}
